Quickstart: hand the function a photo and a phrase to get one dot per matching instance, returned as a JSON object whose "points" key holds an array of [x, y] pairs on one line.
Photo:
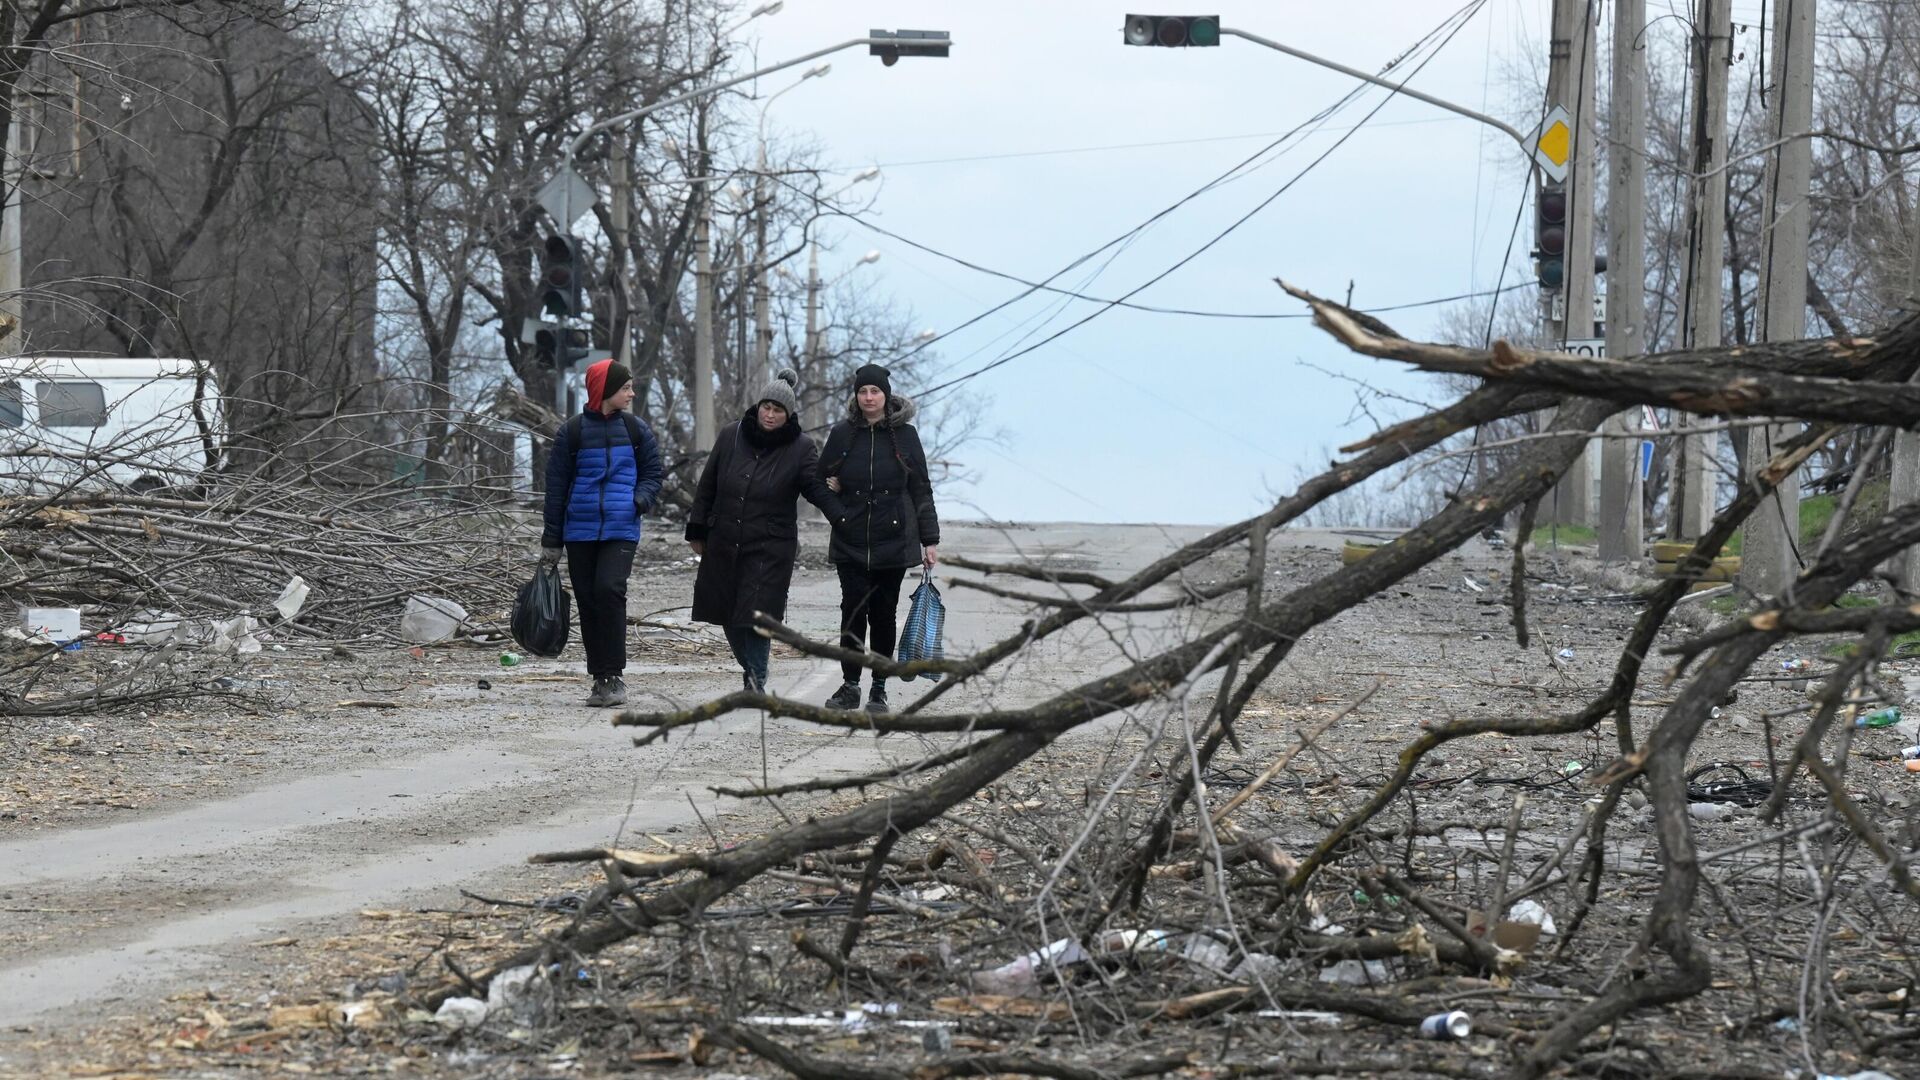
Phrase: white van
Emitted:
{"points": [[101, 422]]}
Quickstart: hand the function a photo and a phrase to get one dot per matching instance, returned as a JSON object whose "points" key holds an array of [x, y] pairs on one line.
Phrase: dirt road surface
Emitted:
{"points": [[225, 827]]}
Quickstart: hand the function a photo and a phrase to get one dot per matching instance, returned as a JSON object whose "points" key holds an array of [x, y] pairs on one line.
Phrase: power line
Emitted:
{"points": [[1015, 154], [1462, 16], [1152, 308], [1128, 236]]}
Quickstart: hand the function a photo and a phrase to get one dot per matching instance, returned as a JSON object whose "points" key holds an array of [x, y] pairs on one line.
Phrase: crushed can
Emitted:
{"points": [[1447, 1025]]}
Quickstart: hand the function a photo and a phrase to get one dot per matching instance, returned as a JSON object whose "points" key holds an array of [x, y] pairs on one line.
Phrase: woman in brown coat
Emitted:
{"points": [[744, 524]]}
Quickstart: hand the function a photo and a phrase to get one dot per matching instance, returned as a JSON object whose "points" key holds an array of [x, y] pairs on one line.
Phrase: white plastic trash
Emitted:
{"points": [[1530, 911], [56, 624], [430, 619], [236, 636], [292, 598], [461, 1013]]}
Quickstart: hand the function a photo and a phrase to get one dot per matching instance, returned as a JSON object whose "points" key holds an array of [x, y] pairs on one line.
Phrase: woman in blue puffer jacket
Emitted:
{"points": [[603, 474]]}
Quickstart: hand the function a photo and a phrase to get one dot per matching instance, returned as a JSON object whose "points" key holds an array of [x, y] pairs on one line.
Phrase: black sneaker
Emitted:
{"points": [[847, 697], [877, 700], [616, 692], [598, 696]]}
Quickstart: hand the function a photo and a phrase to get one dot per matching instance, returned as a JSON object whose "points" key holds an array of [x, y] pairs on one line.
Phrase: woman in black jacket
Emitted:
{"points": [[743, 524], [874, 460]]}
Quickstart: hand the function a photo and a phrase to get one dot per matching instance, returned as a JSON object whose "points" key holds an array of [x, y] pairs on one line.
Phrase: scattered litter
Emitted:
{"points": [[292, 598], [1203, 951], [1308, 1016], [524, 992], [1472, 584], [236, 636], [1565, 654], [1023, 974], [508, 659], [485, 685], [1446, 1025], [937, 1039], [430, 619], [1357, 973], [1530, 911], [1787, 1023], [1725, 782], [461, 1013], [51, 625], [1879, 718], [1709, 811]]}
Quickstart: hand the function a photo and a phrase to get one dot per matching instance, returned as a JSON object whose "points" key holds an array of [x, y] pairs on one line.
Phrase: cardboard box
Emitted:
{"points": [[57, 624]]}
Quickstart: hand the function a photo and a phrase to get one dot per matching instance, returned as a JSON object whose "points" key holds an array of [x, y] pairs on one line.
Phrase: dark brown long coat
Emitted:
{"points": [[745, 509]]}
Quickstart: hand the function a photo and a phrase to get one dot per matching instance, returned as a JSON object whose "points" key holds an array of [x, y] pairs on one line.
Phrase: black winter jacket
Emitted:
{"points": [[744, 511], [884, 488]]}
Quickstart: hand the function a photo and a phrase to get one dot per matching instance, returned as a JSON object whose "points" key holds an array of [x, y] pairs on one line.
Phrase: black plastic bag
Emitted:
{"points": [[540, 613]]}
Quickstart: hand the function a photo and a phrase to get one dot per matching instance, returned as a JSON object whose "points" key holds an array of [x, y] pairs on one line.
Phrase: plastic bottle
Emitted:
{"points": [[1886, 717], [508, 659]]}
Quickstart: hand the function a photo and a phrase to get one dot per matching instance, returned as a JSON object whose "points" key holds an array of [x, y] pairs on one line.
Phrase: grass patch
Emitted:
{"points": [[1570, 536], [1856, 600], [1724, 605], [1816, 511]]}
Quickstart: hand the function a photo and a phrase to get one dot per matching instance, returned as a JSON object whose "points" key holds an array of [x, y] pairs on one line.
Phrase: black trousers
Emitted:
{"points": [[598, 570], [869, 611]]}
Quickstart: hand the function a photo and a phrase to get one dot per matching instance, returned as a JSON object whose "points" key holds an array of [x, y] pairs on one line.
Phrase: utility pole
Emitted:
{"points": [[1570, 83], [11, 280], [1690, 501], [762, 316], [1770, 558], [620, 187], [703, 430], [810, 362], [1621, 516], [1905, 487]]}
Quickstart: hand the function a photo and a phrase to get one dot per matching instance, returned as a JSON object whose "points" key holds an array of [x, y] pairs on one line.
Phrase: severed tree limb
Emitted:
{"points": [[1023, 733], [1518, 586], [1034, 573], [1847, 620], [1626, 673], [810, 1067], [1832, 694], [1664, 763], [1192, 597], [843, 783], [1866, 381]]}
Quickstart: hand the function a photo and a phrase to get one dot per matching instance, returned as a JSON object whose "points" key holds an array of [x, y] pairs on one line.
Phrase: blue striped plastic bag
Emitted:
{"points": [[925, 619]]}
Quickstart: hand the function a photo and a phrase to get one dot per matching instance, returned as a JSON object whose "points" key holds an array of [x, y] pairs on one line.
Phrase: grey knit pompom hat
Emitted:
{"points": [[782, 391]]}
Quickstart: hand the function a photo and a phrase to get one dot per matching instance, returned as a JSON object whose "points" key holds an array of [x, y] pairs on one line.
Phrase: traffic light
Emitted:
{"points": [[908, 43], [1550, 235], [1173, 31], [561, 275], [556, 346]]}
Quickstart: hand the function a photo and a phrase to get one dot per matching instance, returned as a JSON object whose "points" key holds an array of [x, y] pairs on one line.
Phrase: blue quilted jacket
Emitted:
{"points": [[603, 474]]}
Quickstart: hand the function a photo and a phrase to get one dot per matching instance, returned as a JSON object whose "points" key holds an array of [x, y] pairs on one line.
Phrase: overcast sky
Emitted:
{"points": [[1043, 137]]}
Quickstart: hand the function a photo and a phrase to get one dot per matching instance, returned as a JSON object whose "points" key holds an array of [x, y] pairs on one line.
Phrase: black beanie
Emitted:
{"points": [[873, 375], [617, 377]]}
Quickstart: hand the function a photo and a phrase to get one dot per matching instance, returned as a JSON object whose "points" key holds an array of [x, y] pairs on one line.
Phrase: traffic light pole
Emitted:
{"points": [[580, 140], [1526, 147], [1570, 83]]}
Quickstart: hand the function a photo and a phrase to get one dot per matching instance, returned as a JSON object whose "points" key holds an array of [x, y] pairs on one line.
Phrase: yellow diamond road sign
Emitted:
{"points": [[1553, 143]]}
